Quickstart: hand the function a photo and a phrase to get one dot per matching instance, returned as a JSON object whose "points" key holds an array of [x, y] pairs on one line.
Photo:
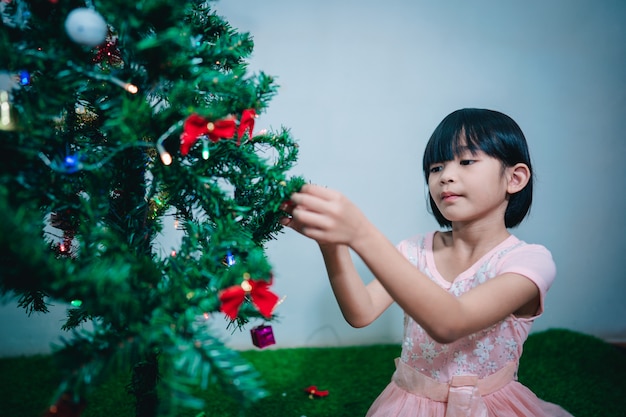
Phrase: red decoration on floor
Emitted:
{"points": [[262, 336], [262, 298], [315, 393]]}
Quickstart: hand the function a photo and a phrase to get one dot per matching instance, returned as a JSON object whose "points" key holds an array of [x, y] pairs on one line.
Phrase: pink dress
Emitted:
{"points": [[475, 376]]}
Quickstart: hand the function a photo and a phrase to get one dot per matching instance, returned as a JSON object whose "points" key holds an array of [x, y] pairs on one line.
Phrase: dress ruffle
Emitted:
{"points": [[513, 400]]}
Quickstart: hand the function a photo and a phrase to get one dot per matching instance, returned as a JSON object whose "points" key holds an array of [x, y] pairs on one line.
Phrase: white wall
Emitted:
{"points": [[363, 85]]}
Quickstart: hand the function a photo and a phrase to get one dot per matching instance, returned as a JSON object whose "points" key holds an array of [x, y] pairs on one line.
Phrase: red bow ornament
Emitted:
{"points": [[262, 298], [196, 126], [314, 392], [246, 124]]}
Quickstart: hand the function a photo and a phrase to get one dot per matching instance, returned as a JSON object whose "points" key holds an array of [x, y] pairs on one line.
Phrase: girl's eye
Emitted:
{"points": [[435, 168], [467, 162]]}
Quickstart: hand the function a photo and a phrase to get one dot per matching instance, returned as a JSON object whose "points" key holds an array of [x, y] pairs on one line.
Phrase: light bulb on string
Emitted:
{"points": [[24, 77], [72, 164], [205, 148], [8, 116], [131, 88], [166, 158], [229, 259]]}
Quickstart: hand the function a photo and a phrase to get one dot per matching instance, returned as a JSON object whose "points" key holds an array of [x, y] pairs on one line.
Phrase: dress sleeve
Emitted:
{"points": [[535, 263], [413, 247]]}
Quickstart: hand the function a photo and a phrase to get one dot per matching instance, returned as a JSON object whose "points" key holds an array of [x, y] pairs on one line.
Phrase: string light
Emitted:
{"points": [[5, 107], [205, 148], [166, 158], [70, 164], [8, 120], [131, 88], [229, 260], [24, 77]]}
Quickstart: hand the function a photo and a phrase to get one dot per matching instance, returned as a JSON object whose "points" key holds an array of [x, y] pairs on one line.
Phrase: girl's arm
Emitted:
{"points": [[360, 304], [445, 317], [328, 217]]}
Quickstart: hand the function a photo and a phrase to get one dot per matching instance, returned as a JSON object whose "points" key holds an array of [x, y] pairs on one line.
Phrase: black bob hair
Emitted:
{"points": [[492, 132]]}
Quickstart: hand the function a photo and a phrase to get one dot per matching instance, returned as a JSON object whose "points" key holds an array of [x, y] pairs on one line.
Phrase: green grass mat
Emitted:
{"points": [[579, 372]]}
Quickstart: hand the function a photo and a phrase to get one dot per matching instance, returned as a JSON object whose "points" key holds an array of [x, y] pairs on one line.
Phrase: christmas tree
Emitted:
{"points": [[114, 116]]}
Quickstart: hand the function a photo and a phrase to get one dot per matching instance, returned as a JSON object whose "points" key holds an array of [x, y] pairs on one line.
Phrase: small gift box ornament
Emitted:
{"points": [[262, 336]]}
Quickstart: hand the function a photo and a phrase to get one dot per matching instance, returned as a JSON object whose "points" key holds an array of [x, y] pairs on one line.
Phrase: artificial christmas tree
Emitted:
{"points": [[114, 116]]}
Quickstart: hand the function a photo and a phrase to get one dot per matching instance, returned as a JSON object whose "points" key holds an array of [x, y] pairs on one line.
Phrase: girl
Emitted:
{"points": [[470, 293]]}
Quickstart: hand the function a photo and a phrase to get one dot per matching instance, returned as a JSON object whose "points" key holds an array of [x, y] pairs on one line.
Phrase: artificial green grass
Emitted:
{"points": [[581, 373]]}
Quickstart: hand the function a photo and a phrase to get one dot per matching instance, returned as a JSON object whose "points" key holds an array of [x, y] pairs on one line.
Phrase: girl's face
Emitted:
{"points": [[471, 187]]}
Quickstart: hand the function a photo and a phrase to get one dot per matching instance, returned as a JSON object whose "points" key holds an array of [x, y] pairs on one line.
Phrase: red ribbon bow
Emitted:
{"points": [[314, 392], [196, 126], [262, 298], [246, 124]]}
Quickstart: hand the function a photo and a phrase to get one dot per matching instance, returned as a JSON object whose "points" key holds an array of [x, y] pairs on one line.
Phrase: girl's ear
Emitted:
{"points": [[517, 176]]}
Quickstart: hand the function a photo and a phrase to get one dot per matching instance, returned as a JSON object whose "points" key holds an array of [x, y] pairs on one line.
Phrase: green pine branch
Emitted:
{"points": [[85, 194]]}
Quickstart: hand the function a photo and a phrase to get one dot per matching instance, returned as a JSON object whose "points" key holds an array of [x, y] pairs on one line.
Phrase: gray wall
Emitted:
{"points": [[364, 83]]}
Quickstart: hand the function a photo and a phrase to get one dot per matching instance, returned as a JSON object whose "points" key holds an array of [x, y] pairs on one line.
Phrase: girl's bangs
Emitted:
{"points": [[449, 144]]}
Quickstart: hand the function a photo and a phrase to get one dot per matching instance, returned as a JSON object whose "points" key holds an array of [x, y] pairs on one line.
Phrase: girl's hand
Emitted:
{"points": [[324, 215]]}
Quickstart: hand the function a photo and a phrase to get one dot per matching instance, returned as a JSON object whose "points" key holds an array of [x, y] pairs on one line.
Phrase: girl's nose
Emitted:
{"points": [[447, 175]]}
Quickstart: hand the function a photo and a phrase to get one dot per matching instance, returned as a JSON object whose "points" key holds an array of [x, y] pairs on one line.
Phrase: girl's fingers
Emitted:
{"points": [[304, 230], [309, 201], [313, 225], [287, 206], [310, 218], [323, 215], [311, 196], [318, 191]]}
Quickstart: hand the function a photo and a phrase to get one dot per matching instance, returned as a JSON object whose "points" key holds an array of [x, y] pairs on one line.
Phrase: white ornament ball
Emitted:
{"points": [[86, 27]]}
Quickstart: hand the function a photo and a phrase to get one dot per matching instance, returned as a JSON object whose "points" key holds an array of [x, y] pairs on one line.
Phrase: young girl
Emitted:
{"points": [[470, 293]]}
